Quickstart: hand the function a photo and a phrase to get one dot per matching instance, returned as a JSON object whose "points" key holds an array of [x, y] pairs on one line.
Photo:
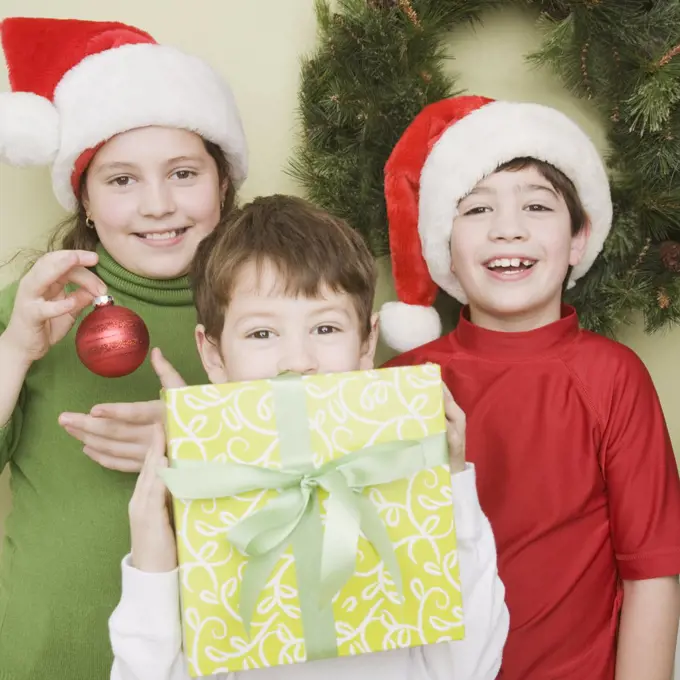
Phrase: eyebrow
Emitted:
{"points": [[330, 308], [540, 187], [254, 314], [184, 159], [121, 165], [110, 167], [264, 316], [519, 188]]}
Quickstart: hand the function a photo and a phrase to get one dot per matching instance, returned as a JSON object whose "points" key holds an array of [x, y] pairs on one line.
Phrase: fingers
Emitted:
{"points": [[87, 280], [72, 304], [157, 460], [165, 371], [80, 299], [50, 309], [156, 456], [107, 443], [64, 265], [129, 465], [121, 442], [98, 447], [452, 411], [150, 490], [455, 432], [134, 413], [152, 536], [104, 428]]}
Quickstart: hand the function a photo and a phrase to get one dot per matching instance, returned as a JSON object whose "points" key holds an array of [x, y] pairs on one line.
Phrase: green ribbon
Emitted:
{"points": [[326, 558]]}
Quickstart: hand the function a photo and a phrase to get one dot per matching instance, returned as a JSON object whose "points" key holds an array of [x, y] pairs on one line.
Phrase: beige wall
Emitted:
{"points": [[257, 44]]}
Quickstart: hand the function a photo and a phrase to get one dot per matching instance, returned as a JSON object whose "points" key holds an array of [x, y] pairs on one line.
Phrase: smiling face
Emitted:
{"points": [[282, 285], [153, 194], [512, 244], [267, 331]]}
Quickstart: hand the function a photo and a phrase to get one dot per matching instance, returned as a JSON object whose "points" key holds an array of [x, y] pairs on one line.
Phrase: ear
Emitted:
{"points": [[579, 243], [367, 358], [223, 190], [452, 267], [211, 357], [85, 199]]}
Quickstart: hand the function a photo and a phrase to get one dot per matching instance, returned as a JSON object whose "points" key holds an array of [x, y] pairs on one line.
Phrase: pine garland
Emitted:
{"points": [[379, 62]]}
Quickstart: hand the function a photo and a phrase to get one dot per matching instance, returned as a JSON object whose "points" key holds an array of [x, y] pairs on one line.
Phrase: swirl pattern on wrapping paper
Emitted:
{"points": [[346, 412]]}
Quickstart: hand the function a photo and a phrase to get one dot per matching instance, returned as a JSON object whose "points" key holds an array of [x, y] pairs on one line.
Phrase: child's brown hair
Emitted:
{"points": [[310, 249]]}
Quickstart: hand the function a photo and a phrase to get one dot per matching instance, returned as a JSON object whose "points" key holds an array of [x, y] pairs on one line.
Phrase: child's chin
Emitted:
{"points": [[164, 268], [522, 303]]}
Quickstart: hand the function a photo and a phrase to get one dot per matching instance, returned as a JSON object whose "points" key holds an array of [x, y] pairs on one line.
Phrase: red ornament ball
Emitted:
{"points": [[112, 341]]}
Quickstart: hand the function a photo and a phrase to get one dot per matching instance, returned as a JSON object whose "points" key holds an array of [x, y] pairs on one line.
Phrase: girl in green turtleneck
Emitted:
{"points": [[147, 150]]}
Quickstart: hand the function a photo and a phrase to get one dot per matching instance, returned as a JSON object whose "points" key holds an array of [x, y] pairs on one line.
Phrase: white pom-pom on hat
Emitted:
{"points": [[29, 129], [404, 326], [448, 148], [76, 84]]}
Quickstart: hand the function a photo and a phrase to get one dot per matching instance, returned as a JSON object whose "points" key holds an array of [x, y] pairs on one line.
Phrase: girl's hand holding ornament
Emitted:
{"points": [[43, 311]]}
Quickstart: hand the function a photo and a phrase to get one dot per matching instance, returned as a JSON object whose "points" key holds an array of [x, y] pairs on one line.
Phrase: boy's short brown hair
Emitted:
{"points": [[560, 182], [309, 247]]}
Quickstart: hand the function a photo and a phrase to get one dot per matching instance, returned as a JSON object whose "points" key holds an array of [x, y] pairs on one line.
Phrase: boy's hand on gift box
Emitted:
{"points": [[455, 432], [117, 436], [153, 540]]}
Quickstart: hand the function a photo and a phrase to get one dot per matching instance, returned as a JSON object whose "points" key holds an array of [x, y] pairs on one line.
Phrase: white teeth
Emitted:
{"points": [[162, 236], [505, 262]]}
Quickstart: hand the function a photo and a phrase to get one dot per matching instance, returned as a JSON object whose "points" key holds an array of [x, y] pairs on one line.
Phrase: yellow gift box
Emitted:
{"points": [[313, 517]]}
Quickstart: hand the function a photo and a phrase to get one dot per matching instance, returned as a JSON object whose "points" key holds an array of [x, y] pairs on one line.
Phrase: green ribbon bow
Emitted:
{"points": [[325, 559]]}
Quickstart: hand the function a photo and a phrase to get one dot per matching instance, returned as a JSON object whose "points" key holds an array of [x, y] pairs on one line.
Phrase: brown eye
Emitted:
{"points": [[185, 174], [476, 211], [261, 335]]}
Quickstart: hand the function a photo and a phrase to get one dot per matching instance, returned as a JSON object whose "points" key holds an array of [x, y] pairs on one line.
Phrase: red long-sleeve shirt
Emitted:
{"points": [[577, 476]]}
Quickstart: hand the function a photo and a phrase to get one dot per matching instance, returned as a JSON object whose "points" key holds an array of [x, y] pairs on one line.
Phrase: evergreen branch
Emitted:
{"points": [[379, 62]]}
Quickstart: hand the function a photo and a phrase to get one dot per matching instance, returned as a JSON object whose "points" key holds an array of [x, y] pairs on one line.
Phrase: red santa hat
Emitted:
{"points": [[449, 147], [76, 84]]}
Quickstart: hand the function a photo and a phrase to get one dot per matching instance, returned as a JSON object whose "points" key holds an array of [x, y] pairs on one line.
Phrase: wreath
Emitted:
{"points": [[379, 62]]}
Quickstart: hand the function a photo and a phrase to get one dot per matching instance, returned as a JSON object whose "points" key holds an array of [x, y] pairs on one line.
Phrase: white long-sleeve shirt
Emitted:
{"points": [[147, 640]]}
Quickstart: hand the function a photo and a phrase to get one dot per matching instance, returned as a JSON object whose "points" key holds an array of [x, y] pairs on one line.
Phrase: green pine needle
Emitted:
{"points": [[379, 62]]}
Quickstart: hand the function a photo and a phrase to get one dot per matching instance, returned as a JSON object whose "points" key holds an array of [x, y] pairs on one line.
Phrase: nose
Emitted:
{"points": [[508, 225], [157, 200], [299, 357]]}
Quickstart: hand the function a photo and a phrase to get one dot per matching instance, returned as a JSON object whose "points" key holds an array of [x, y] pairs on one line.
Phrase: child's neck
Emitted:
{"points": [[527, 320]]}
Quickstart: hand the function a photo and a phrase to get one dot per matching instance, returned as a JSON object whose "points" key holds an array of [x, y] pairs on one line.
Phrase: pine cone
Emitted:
{"points": [[663, 299], [670, 256]]}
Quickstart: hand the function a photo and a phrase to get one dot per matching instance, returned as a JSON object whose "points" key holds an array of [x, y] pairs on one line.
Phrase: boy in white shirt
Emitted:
{"points": [[286, 287]]}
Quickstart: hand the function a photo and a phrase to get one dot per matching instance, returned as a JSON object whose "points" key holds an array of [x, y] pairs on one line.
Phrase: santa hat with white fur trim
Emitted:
{"points": [[78, 83], [449, 147]]}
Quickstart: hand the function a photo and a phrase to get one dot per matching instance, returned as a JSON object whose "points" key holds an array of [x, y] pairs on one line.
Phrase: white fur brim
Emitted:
{"points": [[139, 85], [404, 327], [475, 146], [29, 129]]}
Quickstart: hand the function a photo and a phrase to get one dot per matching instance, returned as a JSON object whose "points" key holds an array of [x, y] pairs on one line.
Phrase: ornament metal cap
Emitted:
{"points": [[102, 301]]}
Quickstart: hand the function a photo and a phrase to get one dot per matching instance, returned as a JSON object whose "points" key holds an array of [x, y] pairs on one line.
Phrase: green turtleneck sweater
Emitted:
{"points": [[68, 528]]}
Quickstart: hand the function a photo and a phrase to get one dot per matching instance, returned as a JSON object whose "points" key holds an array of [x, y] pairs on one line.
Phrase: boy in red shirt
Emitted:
{"points": [[499, 204]]}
